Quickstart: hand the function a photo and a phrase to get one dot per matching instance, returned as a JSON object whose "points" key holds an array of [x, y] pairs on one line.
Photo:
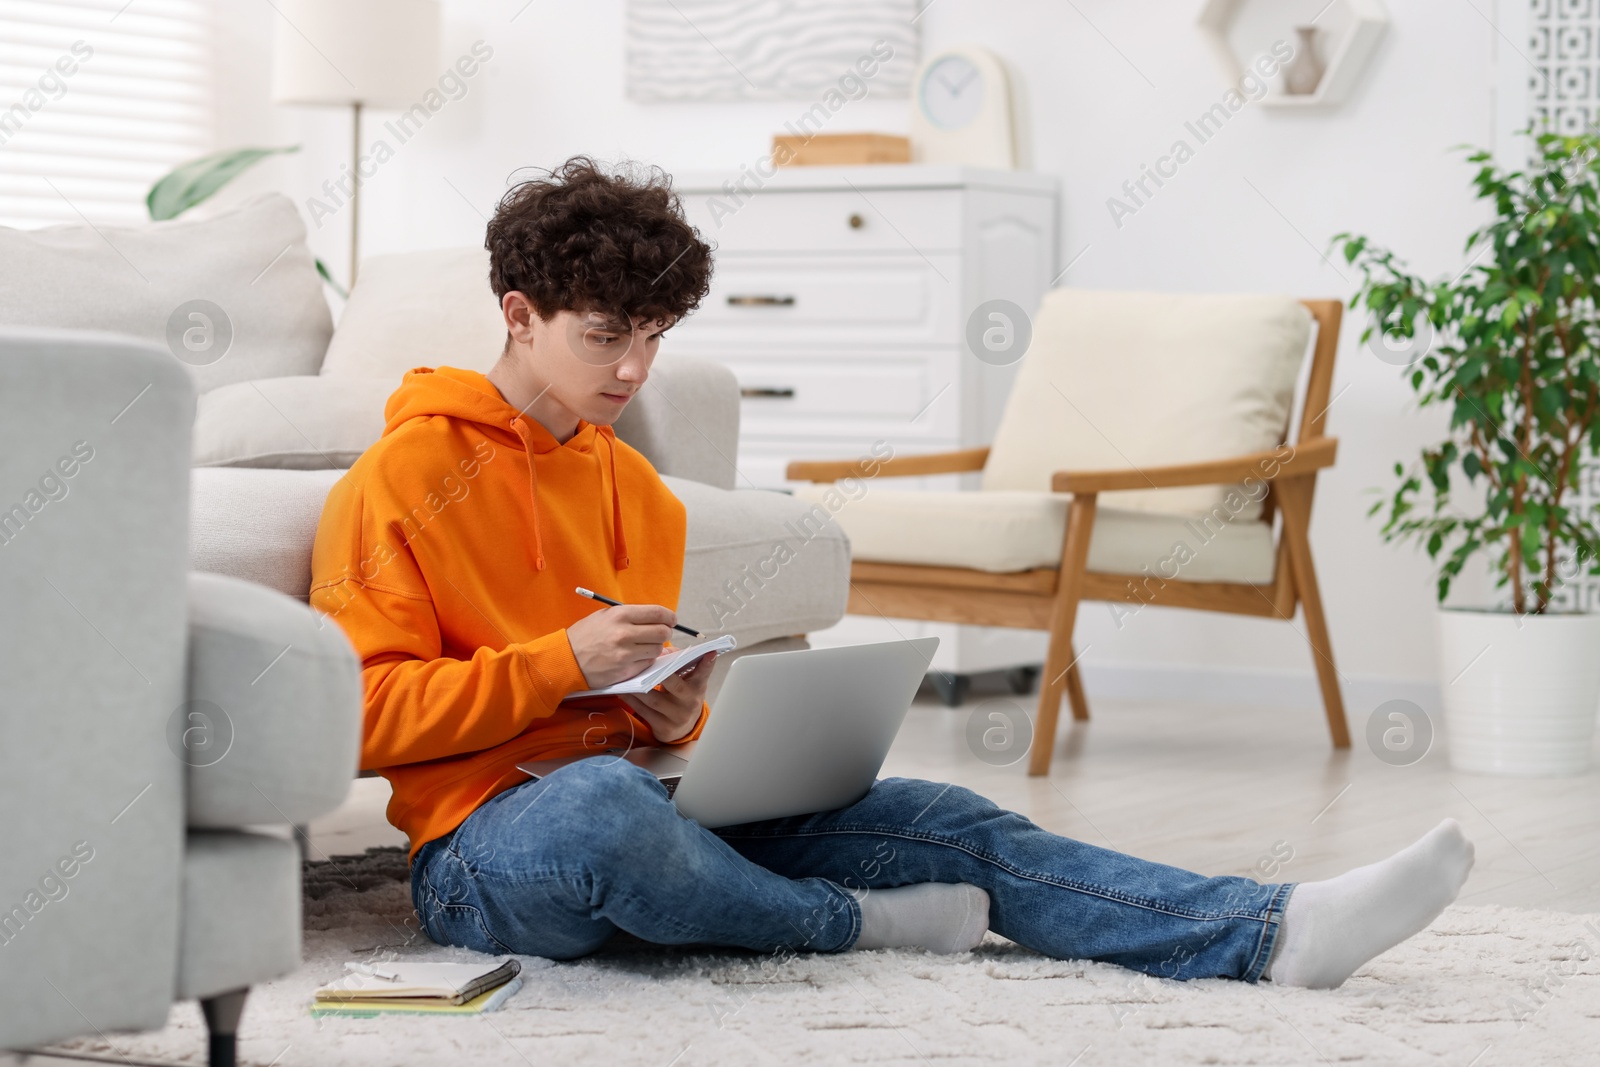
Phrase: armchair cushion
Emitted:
{"points": [[1004, 531], [1116, 380], [273, 707], [252, 262]]}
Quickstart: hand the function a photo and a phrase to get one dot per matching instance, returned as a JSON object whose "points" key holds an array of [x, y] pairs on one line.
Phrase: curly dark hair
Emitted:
{"points": [[585, 237]]}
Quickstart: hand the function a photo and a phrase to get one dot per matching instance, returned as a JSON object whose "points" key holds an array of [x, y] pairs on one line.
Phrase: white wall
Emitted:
{"points": [[1110, 88]]}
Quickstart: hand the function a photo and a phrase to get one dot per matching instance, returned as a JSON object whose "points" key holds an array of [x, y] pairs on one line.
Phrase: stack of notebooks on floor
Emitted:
{"points": [[418, 988]]}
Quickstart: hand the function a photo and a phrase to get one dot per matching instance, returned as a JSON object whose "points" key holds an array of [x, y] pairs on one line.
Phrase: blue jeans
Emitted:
{"points": [[555, 867]]}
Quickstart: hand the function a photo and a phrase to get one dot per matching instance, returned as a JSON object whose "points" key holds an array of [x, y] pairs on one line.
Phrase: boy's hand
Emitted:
{"points": [[672, 709], [613, 644]]}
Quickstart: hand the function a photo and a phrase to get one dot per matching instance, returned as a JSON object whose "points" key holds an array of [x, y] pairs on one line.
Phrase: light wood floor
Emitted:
{"points": [[1216, 790]]}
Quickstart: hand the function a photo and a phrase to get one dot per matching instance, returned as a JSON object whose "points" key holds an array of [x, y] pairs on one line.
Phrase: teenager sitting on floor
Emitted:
{"points": [[470, 637]]}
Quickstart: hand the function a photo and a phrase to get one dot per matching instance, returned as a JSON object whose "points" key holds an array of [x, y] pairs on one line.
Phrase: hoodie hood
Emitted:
{"points": [[426, 392]]}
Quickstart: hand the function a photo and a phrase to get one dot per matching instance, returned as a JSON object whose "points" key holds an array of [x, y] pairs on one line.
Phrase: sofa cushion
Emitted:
{"points": [[685, 421], [251, 262], [418, 309], [1119, 381], [303, 423], [1004, 531], [259, 524]]}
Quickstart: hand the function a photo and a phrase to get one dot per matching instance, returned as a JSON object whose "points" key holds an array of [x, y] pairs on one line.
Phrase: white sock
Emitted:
{"points": [[938, 916], [1332, 927]]}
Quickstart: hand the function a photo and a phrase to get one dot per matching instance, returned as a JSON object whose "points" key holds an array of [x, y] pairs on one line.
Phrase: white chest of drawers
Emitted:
{"points": [[841, 300]]}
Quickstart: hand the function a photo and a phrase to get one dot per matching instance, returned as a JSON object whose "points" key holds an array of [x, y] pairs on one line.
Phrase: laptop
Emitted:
{"points": [[792, 733]]}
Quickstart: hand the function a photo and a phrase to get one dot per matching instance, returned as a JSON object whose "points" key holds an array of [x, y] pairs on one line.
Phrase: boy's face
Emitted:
{"points": [[581, 364]]}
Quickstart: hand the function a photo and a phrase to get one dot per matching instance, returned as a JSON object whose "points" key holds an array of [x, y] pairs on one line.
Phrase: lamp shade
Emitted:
{"points": [[377, 53]]}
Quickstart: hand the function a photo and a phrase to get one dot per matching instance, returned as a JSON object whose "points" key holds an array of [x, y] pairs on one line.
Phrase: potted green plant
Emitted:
{"points": [[1509, 347]]}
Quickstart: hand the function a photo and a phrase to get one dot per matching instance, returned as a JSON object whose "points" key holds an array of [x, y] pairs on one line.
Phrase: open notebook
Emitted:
{"points": [[666, 665]]}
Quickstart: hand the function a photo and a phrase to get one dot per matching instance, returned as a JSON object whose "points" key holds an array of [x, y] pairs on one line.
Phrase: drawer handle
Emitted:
{"points": [[856, 222], [761, 300], [779, 392]]}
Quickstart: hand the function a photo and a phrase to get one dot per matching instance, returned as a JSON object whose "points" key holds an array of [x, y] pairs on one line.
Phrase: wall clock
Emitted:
{"points": [[961, 110]]}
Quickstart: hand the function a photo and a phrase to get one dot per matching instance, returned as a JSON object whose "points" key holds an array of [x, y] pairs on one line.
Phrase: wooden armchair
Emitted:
{"points": [[1046, 597]]}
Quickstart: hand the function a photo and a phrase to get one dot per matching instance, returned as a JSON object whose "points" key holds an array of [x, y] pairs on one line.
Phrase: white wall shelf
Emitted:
{"points": [[1241, 30]]}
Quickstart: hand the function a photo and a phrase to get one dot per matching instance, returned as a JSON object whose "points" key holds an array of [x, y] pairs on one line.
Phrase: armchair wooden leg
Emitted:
{"points": [[1294, 498], [1075, 698], [1058, 676], [222, 1021], [1060, 665]]}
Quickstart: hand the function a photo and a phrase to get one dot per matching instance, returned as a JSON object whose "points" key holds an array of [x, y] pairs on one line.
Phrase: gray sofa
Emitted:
{"points": [[147, 593], [151, 714]]}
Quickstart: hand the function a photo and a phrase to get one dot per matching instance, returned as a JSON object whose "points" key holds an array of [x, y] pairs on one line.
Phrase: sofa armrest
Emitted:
{"points": [[94, 445], [271, 729], [759, 564], [686, 420]]}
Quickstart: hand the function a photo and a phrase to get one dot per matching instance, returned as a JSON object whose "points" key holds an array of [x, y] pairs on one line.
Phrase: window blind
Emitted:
{"points": [[98, 99]]}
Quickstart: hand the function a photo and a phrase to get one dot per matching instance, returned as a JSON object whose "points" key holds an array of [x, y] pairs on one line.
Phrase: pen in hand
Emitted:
{"points": [[592, 595]]}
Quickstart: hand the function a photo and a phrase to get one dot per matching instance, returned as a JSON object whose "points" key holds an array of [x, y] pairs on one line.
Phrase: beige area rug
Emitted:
{"points": [[1483, 986]]}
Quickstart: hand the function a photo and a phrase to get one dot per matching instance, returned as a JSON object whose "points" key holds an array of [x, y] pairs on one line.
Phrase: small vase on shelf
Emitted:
{"points": [[1304, 72]]}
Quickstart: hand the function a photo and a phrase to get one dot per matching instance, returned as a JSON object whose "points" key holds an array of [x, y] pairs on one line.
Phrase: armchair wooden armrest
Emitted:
{"points": [[831, 470], [1287, 460]]}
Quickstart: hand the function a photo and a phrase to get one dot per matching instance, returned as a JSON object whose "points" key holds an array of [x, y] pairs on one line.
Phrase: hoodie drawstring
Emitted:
{"points": [[619, 540], [533, 492]]}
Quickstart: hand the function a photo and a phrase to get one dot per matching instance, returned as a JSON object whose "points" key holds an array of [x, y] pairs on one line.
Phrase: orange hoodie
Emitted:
{"points": [[450, 554]]}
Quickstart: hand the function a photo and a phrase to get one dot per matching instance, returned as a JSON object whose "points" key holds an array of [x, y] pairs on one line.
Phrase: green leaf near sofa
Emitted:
{"points": [[195, 181]]}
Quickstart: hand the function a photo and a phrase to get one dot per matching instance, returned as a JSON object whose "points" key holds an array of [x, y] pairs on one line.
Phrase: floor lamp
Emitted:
{"points": [[355, 54]]}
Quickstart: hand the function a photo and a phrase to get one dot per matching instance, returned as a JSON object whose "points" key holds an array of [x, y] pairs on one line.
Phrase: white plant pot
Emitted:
{"points": [[1520, 694]]}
